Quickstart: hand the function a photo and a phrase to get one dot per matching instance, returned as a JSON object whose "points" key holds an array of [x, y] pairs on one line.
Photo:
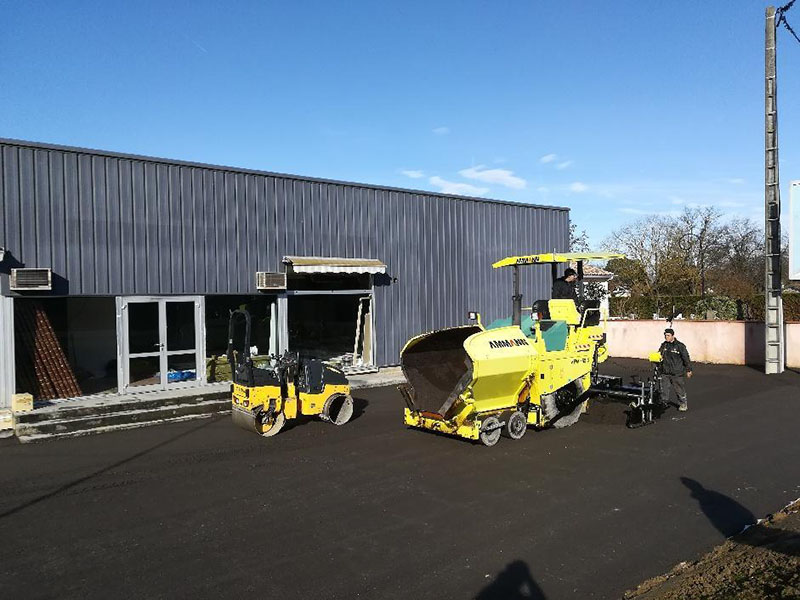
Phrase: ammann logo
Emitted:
{"points": [[508, 343]]}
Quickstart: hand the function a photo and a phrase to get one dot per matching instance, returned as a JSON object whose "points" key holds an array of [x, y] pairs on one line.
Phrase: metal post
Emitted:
{"points": [[122, 343], [516, 308], [7, 365], [201, 377], [273, 327], [283, 323], [773, 316]]}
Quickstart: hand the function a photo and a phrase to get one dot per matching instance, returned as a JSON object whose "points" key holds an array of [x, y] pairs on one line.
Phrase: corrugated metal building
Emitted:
{"points": [[129, 231]]}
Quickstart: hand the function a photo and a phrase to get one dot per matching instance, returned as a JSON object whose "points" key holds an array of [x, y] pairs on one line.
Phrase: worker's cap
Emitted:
{"points": [[669, 330], [569, 271]]}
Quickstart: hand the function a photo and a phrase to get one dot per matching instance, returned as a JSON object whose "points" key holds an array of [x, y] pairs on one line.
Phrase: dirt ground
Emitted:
{"points": [[761, 562]]}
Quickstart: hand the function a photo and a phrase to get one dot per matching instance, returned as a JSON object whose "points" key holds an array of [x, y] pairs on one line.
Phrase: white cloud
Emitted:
{"points": [[453, 187], [543, 189], [564, 165], [638, 211], [736, 180], [499, 160], [413, 174], [441, 130], [548, 158], [578, 187], [676, 200], [500, 176]]}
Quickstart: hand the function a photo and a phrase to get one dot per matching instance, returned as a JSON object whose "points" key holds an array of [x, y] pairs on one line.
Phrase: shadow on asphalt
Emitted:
{"points": [[119, 463], [359, 408], [513, 583], [730, 518]]}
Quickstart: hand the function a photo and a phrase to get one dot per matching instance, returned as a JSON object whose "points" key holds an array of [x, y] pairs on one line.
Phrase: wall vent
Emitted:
{"points": [[270, 281], [24, 280]]}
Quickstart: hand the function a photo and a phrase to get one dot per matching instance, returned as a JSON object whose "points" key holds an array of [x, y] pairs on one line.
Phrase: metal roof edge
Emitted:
{"points": [[184, 163]]}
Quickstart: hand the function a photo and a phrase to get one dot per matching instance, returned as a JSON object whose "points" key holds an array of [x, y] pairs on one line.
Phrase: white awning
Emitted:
{"points": [[320, 264]]}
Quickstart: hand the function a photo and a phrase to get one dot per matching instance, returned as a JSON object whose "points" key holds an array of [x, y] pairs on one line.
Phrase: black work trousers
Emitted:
{"points": [[678, 382]]}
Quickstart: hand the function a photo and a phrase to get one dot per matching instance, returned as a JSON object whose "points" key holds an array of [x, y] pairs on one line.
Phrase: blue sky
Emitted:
{"points": [[615, 109]]}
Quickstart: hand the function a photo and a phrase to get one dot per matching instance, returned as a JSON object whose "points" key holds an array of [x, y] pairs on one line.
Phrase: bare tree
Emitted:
{"points": [[696, 234], [578, 242], [648, 243], [694, 253]]}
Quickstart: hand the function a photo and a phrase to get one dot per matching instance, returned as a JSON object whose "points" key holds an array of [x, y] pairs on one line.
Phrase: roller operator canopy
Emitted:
{"points": [[554, 258], [326, 264]]}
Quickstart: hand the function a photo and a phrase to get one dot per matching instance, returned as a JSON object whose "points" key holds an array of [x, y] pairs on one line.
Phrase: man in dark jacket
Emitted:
{"points": [[676, 366], [564, 287]]}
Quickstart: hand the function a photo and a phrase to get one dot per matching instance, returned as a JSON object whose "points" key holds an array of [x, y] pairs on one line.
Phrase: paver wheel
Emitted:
{"points": [[516, 425], [490, 431], [562, 408]]}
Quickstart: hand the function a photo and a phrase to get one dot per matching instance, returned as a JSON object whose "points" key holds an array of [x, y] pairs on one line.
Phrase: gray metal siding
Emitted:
{"points": [[118, 225]]}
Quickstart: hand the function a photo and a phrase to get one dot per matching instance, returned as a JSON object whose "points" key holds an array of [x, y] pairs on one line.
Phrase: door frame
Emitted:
{"points": [[283, 313], [123, 346]]}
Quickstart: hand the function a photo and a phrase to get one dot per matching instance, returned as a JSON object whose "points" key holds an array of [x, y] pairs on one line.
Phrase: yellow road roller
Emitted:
{"points": [[480, 382], [267, 394]]}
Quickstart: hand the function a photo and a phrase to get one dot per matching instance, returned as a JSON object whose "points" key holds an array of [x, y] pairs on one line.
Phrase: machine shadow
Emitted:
{"points": [[119, 463], [730, 518], [359, 408], [513, 583], [441, 434]]}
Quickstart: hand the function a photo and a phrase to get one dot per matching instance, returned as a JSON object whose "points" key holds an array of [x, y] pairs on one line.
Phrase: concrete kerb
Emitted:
{"points": [[100, 414], [385, 376], [6, 424]]}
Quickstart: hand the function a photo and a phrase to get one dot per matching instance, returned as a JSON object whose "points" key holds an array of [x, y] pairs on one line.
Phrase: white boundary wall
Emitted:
{"points": [[723, 342]]}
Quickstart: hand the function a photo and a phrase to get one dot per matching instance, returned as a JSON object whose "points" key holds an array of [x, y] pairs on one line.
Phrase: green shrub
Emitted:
{"points": [[729, 309], [643, 307], [722, 307]]}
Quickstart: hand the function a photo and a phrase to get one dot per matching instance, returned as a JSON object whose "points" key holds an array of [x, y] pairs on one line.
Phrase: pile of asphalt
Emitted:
{"points": [[761, 562]]}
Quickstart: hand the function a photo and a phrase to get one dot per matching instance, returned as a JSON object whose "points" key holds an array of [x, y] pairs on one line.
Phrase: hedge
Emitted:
{"points": [[720, 307]]}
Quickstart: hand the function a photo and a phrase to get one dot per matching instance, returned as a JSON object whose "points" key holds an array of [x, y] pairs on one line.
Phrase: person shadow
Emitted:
{"points": [[512, 583], [731, 518]]}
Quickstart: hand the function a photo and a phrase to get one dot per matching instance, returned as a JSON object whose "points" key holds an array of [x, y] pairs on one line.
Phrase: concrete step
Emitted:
{"points": [[119, 427], [92, 415], [62, 411], [101, 421]]}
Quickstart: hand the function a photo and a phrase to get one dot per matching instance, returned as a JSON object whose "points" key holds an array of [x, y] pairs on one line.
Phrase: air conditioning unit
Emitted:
{"points": [[30, 280], [270, 281]]}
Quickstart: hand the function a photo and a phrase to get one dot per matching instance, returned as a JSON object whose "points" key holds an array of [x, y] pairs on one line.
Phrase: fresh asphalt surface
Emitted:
{"points": [[375, 510]]}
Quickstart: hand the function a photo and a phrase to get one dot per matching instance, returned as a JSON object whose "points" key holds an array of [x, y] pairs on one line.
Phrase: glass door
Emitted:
{"points": [[180, 350], [143, 328], [161, 342]]}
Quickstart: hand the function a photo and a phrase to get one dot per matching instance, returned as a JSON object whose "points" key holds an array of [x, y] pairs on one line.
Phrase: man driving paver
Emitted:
{"points": [[676, 366], [564, 287]]}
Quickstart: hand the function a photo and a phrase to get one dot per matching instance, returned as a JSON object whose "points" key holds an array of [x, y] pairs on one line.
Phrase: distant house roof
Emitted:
{"points": [[594, 273]]}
